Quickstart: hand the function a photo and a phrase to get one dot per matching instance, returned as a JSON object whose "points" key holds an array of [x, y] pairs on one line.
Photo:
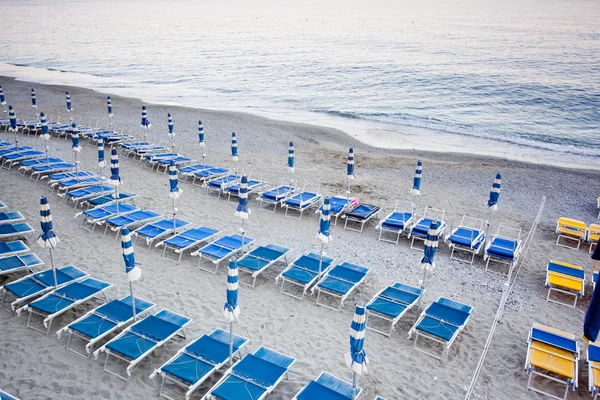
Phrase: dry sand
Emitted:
{"points": [[37, 367]]}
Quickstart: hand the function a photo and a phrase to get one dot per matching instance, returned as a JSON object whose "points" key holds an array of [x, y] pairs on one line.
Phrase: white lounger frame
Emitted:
{"points": [[397, 208], [304, 287]]}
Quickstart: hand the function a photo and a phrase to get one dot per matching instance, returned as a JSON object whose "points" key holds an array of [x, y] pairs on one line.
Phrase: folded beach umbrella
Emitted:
{"points": [[109, 106], [416, 189], [131, 269], [12, 125], [350, 168], [101, 161], [45, 135], [115, 178], [324, 234], [33, 99], [290, 162], [75, 144], [234, 151], [174, 191], [2, 98], [357, 359], [493, 200], [145, 121], [242, 211], [201, 140], [68, 98], [171, 132], [231, 311], [429, 250], [47, 238]]}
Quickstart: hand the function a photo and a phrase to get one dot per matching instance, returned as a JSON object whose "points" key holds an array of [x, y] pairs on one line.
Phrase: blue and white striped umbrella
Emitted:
{"points": [[75, 138], [133, 271], [234, 149], [291, 154], [12, 117], [33, 99], [69, 108], [231, 311], [2, 99], [201, 134], [324, 234], [101, 161], [350, 164], [47, 238], [431, 246], [145, 121], [357, 359], [109, 106], [416, 189], [171, 126], [242, 210], [174, 191], [44, 124], [495, 193], [115, 179]]}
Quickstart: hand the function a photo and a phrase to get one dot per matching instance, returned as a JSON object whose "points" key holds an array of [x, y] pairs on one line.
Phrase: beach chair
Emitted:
{"points": [[593, 236], [20, 229], [14, 248], [504, 248], [14, 150], [339, 282], [253, 377], [5, 396], [153, 159], [301, 202], [139, 340], [26, 165], [468, 237], [180, 161], [126, 147], [253, 185], [304, 272], [63, 299], [75, 183], [142, 151], [129, 220], [418, 230], [276, 195], [108, 199], [565, 278], [159, 229], [186, 240], [97, 216], [198, 361], [79, 195], [2, 206], [593, 362], [220, 184], [39, 171], [61, 176], [204, 175], [18, 263], [259, 260], [552, 355], [188, 171], [397, 221], [221, 249], [13, 159], [11, 217], [391, 304], [327, 387], [570, 230], [440, 323], [102, 321]]}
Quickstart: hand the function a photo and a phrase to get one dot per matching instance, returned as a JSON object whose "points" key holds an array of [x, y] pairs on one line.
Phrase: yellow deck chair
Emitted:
{"points": [[570, 230], [593, 359], [565, 278], [552, 355], [593, 236]]}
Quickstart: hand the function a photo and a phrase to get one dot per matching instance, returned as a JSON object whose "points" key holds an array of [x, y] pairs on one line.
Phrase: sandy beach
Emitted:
{"points": [[37, 367]]}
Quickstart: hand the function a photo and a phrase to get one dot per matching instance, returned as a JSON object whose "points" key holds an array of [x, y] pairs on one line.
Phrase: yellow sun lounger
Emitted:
{"points": [[593, 236], [570, 229], [593, 359], [565, 278], [553, 355]]}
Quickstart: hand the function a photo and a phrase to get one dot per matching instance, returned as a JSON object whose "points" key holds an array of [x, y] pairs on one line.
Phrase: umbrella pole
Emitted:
{"points": [[422, 290], [354, 386], [53, 268], [487, 228], [117, 199], [230, 343], [348, 191], [320, 261], [76, 165], [132, 300], [243, 234], [47, 162], [174, 220]]}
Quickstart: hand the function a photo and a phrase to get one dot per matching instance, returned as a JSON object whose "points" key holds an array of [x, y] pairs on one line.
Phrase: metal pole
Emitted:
{"points": [[76, 165], [348, 191], [487, 229], [354, 386], [117, 199], [53, 268], [243, 234], [422, 290], [47, 162], [321, 261], [174, 220], [132, 300], [230, 343]]}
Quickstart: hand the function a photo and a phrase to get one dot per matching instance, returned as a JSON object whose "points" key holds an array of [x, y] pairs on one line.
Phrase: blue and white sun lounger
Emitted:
{"points": [[19, 229], [153, 159], [504, 247], [180, 161], [220, 184], [276, 196], [207, 174], [304, 272], [397, 221], [82, 194], [27, 165], [186, 172], [260, 259], [11, 159], [75, 183], [11, 217], [221, 249], [61, 176], [253, 377], [126, 147], [339, 206], [102, 321], [97, 216], [108, 199], [14, 149], [340, 282], [6, 396], [327, 387], [63, 299], [143, 151], [390, 304], [140, 217], [197, 361], [13, 248], [39, 283], [361, 214], [253, 185], [17, 263], [39, 171], [156, 230], [469, 237], [186, 240], [139, 340], [301, 202], [419, 229], [441, 323]]}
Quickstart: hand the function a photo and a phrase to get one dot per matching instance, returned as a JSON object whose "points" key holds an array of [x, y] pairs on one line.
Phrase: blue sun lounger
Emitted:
{"points": [[139, 340], [207, 174], [11, 217], [102, 321], [361, 214], [39, 171], [339, 205], [156, 230], [75, 183], [220, 184], [19, 229], [303, 272], [82, 194], [153, 159], [18, 263], [125, 147], [391, 304], [340, 282], [253, 185], [221, 249], [13, 149], [61, 176], [468, 237], [139, 217], [260, 259], [143, 151], [197, 361], [63, 299], [188, 171], [418, 230], [27, 165], [504, 248], [39, 283], [397, 221], [327, 387], [108, 199], [12, 159], [6, 396], [179, 162], [441, 323], [301, 202], [186, 240], [2, 206], [97, 216], [253, 377], [13, 248], [276, 196]]}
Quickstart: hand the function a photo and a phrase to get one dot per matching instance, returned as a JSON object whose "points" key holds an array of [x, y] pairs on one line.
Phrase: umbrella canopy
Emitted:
{"points": [[291, 154], [171, 126], [495, 193], [75, 138], [47, 238], [12, 116], [33, 99], [201, 134], [234, 149], [133, 271], [174, 191], [109, 106], [69, 108], [145, 121], [101, 161], [2, 99], [44, 123], [242, 210], [431, 246], [357, 359], [350, 164], [231, 311], [416, 189], [324, 234], [115, 179]]}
